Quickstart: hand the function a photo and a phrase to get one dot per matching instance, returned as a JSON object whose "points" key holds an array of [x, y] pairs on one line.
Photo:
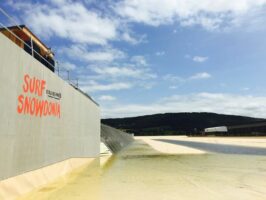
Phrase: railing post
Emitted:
{"points": [[58, 70], [31, 45]]}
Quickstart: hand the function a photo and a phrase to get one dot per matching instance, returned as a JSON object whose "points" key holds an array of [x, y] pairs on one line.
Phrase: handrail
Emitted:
{"points": [[26, 44], [76, 86], [10, 18], [29, 46]]}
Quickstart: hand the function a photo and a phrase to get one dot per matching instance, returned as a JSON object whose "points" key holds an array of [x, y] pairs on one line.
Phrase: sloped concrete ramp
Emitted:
{"points": [[115, 139]]}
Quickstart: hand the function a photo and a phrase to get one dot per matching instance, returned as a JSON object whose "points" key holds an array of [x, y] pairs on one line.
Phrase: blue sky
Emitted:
{"points": [[137, 57]]}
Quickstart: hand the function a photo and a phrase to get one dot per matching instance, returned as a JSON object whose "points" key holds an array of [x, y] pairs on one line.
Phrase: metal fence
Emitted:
{"points": [[61, 72]]}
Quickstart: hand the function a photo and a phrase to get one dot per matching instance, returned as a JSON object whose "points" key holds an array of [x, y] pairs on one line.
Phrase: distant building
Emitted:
{"points": [[220, 130], [24, 38]]}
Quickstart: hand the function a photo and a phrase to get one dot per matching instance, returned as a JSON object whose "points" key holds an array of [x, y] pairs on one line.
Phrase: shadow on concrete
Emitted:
{"points": [[218, 148]]}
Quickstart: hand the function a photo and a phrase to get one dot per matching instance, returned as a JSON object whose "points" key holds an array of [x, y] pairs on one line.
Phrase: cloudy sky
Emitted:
{"points": [[137, 57]]}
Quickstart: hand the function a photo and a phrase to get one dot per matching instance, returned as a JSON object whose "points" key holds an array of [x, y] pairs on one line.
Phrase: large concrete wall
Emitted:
{"points": [[29, 142], [115, 139]]}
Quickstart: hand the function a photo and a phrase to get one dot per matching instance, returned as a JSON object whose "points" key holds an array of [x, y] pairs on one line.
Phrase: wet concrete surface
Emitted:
{"points": [[142, 173], [219, 148]]}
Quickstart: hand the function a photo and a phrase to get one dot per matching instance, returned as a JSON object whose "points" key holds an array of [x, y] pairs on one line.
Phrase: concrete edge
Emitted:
{"points": [[15, 187]]}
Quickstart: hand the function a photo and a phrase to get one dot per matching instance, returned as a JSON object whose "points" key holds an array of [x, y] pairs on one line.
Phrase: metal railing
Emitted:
{"points": [[73, 82], [56, 68], [60, 71], [66, 75]]}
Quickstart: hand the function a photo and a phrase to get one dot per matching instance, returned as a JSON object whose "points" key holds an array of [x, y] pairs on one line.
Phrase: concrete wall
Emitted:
{"points": [[115, 139], [29, 142]]}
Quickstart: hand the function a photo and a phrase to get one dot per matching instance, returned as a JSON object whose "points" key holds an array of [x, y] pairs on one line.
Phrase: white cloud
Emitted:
{"points": [[82, 52], [202, 102], [76, 21], [93, 86], [209, 14], [107, 98], [109, 68], [198, 76], [127, 37], [132, 38], [208, 23], [70, 20], [203, 75], [59, 2], [67, 66], [160, 53], [173, 87], [252, 21], [139, 60], [115, 72], [173, 78], [200, 59]]}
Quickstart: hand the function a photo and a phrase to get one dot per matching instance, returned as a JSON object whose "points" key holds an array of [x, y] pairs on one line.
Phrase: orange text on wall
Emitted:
{"points": [[31, 101]]}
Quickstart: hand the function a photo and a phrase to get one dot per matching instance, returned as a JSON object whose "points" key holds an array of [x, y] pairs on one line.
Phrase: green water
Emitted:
{"points": [[141, 173]]}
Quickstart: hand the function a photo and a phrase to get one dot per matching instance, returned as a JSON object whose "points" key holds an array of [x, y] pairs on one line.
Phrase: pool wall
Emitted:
{"points": [[44, 120]]}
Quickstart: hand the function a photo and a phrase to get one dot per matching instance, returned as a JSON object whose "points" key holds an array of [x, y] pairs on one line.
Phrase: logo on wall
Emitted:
{"points": [[31, 101]]}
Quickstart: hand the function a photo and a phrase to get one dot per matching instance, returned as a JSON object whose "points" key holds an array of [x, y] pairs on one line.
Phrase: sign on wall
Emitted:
{"points": [[31, 101]]}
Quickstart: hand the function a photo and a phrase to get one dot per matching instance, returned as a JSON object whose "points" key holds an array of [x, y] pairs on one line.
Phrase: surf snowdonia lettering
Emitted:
{"points": [[31, 101]]}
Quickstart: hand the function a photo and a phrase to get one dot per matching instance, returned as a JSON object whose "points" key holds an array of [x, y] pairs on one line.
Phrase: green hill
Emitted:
{"points": [[176, 123]]}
